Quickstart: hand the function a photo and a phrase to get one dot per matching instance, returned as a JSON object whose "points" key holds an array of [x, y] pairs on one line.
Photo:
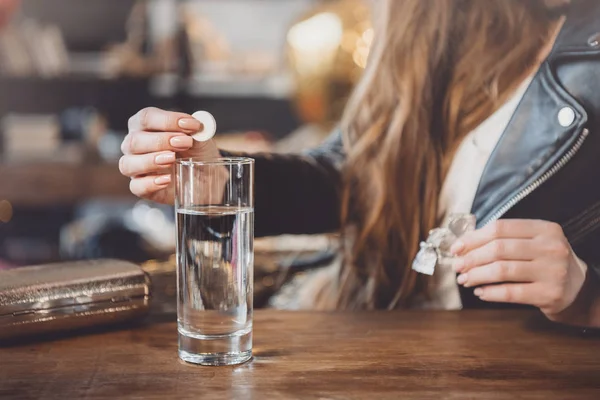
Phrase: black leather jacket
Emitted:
{"points": [[545, 166]]}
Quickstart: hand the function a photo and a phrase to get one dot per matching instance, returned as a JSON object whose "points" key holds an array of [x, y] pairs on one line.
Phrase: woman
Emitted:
{"points": [[466, 105]]}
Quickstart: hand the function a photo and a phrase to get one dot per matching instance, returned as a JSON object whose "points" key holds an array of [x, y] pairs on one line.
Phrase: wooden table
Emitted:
{"points": [[378, 355]]}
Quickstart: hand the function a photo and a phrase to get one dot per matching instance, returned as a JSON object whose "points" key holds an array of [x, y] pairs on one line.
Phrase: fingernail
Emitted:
{"points": [[478, 292], [457, 247], [190, 124], [458, 264], [163, 180], [166, 158], [462, 278], [182, 142]]}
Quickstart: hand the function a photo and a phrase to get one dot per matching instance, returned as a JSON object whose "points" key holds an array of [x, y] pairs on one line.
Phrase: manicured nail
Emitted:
{"points": [[458, 264], [164, 159], [478, 292], [190, 124], [462, 278], [182, 142], [457, 247], [163, 180]]}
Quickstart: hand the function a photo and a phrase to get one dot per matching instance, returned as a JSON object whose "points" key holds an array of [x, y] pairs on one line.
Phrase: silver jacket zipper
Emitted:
{"points": [[547, 175]]}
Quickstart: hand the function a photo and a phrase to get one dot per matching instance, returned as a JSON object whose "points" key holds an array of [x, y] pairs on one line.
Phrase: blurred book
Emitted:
{"points": [[15, 60], [30, 136], [29, 48]]}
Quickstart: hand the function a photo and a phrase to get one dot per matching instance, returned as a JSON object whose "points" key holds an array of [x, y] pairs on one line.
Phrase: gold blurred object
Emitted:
{"points": [[163, 275], [6, 211], [47, 298], [328, 50]]}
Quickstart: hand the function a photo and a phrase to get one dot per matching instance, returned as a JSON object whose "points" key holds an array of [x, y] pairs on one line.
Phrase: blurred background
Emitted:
{"points": [[275, 74]]}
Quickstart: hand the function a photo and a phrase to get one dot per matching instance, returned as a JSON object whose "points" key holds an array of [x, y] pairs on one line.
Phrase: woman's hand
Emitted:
{"points": [[521, 261], [155, 140]]}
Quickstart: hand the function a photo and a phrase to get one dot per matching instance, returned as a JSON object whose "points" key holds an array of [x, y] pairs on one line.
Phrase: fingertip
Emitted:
{"points": [[162, 180], [458, 247], [165, 159], [458, 265], [189, 124], [146, 186], [181, 142], [157, 120]]}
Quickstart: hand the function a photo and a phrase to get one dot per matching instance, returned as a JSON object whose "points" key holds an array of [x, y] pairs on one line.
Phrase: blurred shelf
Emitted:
{"points": [[273, 87], [277, 86], [47, 184], [257, 104], [118, 99]]}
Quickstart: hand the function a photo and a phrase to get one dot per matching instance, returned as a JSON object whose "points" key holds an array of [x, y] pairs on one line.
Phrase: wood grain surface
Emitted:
{"points": [[378, 355]]}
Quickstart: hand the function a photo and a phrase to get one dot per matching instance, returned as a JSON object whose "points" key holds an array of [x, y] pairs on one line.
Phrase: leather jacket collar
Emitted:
{"points": [[548, 127]]}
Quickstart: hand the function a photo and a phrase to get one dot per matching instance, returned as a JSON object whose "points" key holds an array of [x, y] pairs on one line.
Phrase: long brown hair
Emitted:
{"points": [[438, 68]]}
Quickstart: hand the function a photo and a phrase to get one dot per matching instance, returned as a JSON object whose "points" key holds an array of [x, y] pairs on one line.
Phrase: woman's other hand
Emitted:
{"points": [[521, 261], [155, 140]]}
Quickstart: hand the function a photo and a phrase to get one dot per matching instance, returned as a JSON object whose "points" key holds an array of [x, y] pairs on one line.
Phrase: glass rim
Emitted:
{"points": [[220, 161]]}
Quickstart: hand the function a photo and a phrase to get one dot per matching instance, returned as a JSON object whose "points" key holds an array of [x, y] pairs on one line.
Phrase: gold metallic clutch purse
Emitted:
{"points": [[59, 297]]}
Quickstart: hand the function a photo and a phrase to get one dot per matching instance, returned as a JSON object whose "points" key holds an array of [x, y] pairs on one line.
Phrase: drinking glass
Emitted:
{"points": [[214, 203]]}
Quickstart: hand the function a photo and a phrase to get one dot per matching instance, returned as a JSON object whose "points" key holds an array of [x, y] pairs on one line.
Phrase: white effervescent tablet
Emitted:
{"points": [[209, 126]]}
